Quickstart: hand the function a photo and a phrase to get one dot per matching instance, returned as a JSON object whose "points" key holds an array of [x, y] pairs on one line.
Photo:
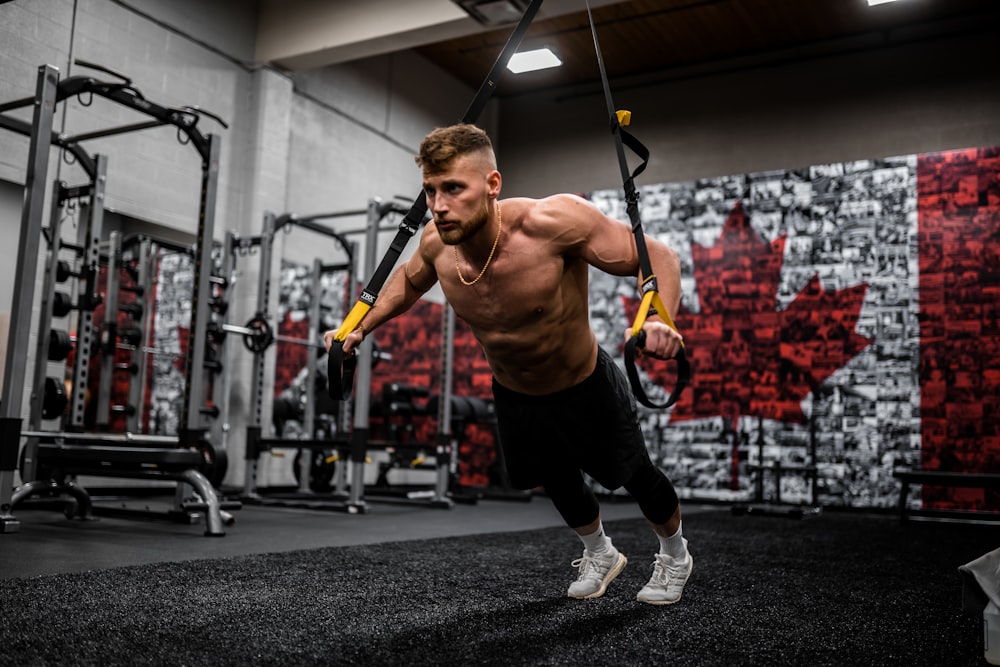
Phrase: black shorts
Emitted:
{"points": [[593, 427]]}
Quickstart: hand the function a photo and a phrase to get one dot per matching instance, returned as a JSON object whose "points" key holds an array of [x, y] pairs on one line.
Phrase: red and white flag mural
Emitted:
{"points": [[843, 315]]}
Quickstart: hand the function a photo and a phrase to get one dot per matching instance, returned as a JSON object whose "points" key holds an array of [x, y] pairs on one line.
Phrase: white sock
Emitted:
{"points": [[673, 546], [597, 541]]}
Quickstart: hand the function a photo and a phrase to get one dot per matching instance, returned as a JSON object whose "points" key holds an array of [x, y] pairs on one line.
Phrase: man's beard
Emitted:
{"points": [[462, 232]]}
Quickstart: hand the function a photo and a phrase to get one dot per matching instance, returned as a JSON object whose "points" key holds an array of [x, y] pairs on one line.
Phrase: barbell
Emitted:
{"points": [[258, 335]]}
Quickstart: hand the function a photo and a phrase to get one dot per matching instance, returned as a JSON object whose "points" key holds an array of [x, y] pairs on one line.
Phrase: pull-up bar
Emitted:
{"points": [[184, 118], [21, 127]]}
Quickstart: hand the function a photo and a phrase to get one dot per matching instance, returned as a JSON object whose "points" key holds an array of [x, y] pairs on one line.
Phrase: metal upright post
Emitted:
{"points": [[340, 476], [446, 445], [362, 402], [109, 337], [255, 427], [309, 418], [90, 240], [146, 260], [194, 385], [191, 432], [221, 389], [18, 338]]}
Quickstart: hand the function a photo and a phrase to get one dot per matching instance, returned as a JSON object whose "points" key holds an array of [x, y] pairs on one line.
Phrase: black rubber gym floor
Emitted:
{"points": [[483, 584], [48, 543]]}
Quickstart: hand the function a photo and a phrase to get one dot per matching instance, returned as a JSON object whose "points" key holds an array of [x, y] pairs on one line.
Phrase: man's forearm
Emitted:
{"points": [[396, 298], [667, 269]]}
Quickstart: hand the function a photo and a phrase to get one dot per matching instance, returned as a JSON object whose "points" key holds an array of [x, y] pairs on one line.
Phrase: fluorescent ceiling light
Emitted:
{"points": [[528, 61], [872, 3]]}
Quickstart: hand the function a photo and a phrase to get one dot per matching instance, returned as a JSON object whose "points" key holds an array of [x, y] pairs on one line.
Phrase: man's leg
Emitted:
{"points": [[659, 504], [601, 562]]}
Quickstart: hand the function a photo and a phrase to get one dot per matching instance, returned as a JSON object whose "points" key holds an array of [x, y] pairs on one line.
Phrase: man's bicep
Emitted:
{"points": [[579, 229], [611, 248]]}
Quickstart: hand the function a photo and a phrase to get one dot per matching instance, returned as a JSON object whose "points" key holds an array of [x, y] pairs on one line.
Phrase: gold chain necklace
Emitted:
{"points": [[496, 242]]}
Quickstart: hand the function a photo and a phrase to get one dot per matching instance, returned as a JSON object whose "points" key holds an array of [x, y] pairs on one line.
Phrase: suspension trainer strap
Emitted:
{"points": [[650, 295], [340, 370]]}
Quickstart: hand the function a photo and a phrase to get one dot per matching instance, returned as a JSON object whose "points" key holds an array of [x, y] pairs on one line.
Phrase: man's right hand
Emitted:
{"points": [[350, 343]]}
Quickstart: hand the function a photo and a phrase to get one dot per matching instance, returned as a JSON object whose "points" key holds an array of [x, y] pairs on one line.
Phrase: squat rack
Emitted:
{"points": [[256, 442], [258, 335], [75, 452]]}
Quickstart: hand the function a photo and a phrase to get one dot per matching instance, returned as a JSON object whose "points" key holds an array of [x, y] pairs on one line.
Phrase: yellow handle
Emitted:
{"points": [[352, 320], [651, 298]]}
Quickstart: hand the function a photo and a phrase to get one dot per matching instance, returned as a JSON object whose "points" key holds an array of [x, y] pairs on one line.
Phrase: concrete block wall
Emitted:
{"points": [[151, 175], [32, 34]]}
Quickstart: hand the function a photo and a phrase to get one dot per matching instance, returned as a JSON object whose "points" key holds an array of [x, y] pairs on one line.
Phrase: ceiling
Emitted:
{"points": [[646, 39]]}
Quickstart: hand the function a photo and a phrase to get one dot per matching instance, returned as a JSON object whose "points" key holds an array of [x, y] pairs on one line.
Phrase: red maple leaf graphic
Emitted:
{"points": [[748, 358]]}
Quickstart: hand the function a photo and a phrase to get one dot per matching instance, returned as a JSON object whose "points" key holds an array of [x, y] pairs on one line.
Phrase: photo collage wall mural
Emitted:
{"points": [[842, 316]]}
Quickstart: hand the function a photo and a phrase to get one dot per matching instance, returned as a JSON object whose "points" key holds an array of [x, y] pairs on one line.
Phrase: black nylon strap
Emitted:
{"points": [[622, 139], [340, 371]]}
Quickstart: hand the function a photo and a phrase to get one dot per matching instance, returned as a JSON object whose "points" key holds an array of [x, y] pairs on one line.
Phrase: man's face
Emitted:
{"points": [[458, 198]]}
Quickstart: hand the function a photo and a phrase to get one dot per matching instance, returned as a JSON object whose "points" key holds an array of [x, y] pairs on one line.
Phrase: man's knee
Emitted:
{"points": [[654, 493], [573, 499]]}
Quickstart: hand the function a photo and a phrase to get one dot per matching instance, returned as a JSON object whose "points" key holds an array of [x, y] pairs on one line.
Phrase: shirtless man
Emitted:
{"points": [[517, 272]]}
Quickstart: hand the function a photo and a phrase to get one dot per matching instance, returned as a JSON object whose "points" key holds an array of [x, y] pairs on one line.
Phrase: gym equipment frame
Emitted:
{"points": [[258, 336], [69, 453], [443, 449]]}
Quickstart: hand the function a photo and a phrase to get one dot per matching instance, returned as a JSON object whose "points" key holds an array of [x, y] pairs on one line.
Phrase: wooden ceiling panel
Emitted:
{"points": [[643, 37]]}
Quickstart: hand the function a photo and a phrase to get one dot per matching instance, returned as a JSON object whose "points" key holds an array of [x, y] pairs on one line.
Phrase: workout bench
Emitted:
{"points": [[947, 479], [178, 464]]}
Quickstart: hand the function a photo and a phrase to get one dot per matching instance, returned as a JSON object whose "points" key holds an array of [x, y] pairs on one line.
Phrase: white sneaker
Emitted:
{"points": [[667, 582], [597, 570]]}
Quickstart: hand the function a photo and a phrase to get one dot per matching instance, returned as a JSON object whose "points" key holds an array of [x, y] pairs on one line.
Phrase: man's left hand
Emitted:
{"points": [[662, 340]]}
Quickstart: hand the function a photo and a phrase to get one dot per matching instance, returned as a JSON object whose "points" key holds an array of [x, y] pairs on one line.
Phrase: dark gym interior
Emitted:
{"points": [[193, 193]]}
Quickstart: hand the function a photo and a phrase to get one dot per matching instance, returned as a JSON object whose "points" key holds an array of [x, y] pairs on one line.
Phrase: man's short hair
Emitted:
{"points": [[445, 144]]}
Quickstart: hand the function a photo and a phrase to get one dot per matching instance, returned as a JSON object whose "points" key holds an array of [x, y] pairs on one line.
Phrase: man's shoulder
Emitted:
{"points": [[556, 201], [554, 209]]}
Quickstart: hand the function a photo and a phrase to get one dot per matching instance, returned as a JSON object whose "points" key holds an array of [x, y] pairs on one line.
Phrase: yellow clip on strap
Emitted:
{"points": [[624, 117]]}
